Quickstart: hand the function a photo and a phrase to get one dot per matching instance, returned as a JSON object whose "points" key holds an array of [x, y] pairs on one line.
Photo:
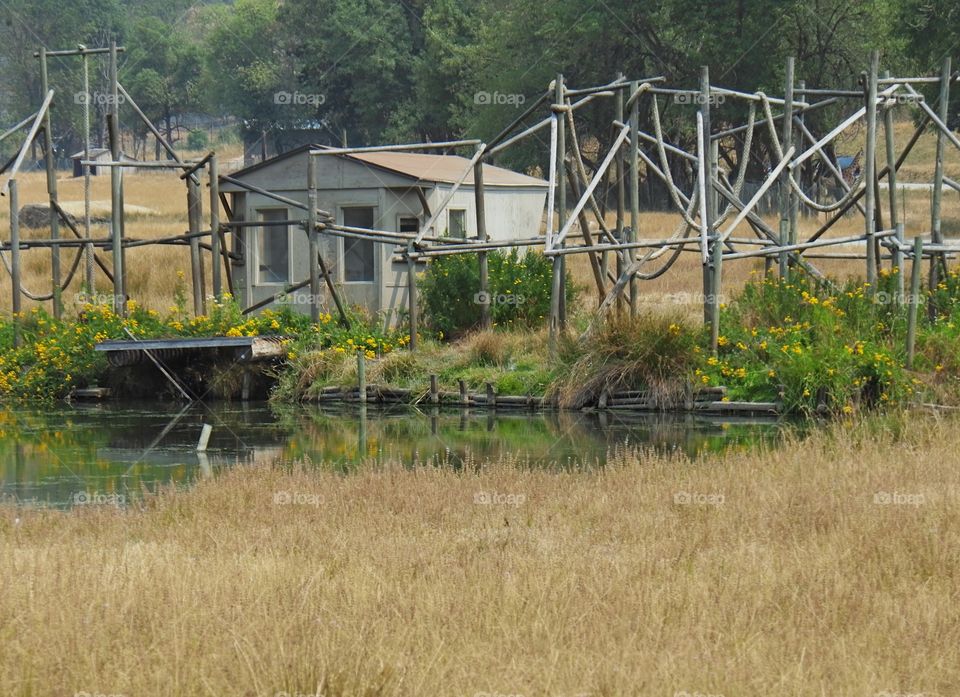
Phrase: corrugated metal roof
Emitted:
{"points": [[446, 169]]}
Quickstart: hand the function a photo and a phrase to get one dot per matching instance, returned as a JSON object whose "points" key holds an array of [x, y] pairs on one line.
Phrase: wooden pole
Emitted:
{"points": [[706, 187], [478, 197], [787, 232], [51, 168], [434, 391], [891, 156], [194, 215], [621, 185], [116, 190], [914, 299], [936, 229], [634, 189], [870, 171], [312, 241], [412, 301], [89, 253], [15, 258], [898, 261], [560, 185], [215, 249], [562, 195], [362, 376]]}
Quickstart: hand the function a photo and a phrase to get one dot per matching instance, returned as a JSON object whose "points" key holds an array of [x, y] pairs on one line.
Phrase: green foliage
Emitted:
{"points": [[197, 139], [814, 346], [519, 293], [54, 356]]}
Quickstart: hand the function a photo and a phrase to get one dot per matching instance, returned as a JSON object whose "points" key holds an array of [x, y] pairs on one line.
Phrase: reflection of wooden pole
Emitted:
{"points": [[51, 167], [15, 258]]}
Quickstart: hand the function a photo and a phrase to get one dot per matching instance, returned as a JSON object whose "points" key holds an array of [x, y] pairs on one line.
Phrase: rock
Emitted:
{"points": [[35, 216]]}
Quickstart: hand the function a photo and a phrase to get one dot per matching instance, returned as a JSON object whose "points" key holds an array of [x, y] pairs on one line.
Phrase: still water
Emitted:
{"points": [[111, 453]]}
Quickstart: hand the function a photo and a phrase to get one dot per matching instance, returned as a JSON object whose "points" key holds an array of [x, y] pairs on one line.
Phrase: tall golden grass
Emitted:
{"points": [[826, 567]]}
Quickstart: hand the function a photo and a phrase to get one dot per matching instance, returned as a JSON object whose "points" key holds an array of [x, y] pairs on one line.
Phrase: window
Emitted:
{"points": [[409, 225], [358, 256], [457, 226], [273, 247]]}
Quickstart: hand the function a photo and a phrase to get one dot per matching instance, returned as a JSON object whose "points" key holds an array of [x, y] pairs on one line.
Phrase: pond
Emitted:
{"points": [[110, 453]]}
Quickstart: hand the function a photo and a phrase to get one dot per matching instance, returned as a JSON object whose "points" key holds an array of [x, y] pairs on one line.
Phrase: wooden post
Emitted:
{"points": [[634, 188], [464, 397], [891, 156], [936, 229], [787, 232], [51, 167], [898, 262], [215, 251], [491, 395], [15, 258], [621, 189], [914, 299], [362, 376], [116, 189], [870, 172], [89, 253], [412, 300], [478, 197], [434, 391], [194, 215], [312, 242], [706, 187], [557, 286]]}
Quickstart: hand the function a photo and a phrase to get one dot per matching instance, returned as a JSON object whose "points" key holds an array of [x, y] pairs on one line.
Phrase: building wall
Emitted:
{"points": [[510, 213]]}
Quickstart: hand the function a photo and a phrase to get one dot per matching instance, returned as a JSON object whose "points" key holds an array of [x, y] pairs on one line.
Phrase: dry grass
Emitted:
{"points": [[397, 582]]}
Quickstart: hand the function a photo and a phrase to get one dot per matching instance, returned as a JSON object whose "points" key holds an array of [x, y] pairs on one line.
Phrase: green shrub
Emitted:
{"points": [[197, 140], [519, 291]]}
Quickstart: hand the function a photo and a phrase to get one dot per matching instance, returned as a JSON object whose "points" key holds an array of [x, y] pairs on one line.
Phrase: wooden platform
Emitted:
{"points": [[123, 352]]}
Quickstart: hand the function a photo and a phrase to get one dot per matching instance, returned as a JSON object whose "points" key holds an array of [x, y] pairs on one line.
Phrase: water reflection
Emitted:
{"points": [[68, 455]]}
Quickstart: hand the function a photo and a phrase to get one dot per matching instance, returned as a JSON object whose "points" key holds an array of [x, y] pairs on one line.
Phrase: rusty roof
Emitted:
{"points": [[444, 169], [427, 168]]}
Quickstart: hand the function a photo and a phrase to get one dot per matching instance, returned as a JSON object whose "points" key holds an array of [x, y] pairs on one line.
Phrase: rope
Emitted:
{"points": [[822, 208], [47, 296]]}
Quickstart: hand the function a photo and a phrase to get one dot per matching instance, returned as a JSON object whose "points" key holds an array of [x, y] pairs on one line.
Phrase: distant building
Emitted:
{"points": [[368, 190], [96, 155]]}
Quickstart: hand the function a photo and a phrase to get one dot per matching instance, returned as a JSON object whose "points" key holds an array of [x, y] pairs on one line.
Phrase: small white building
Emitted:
{"points": [[365, 190]]}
